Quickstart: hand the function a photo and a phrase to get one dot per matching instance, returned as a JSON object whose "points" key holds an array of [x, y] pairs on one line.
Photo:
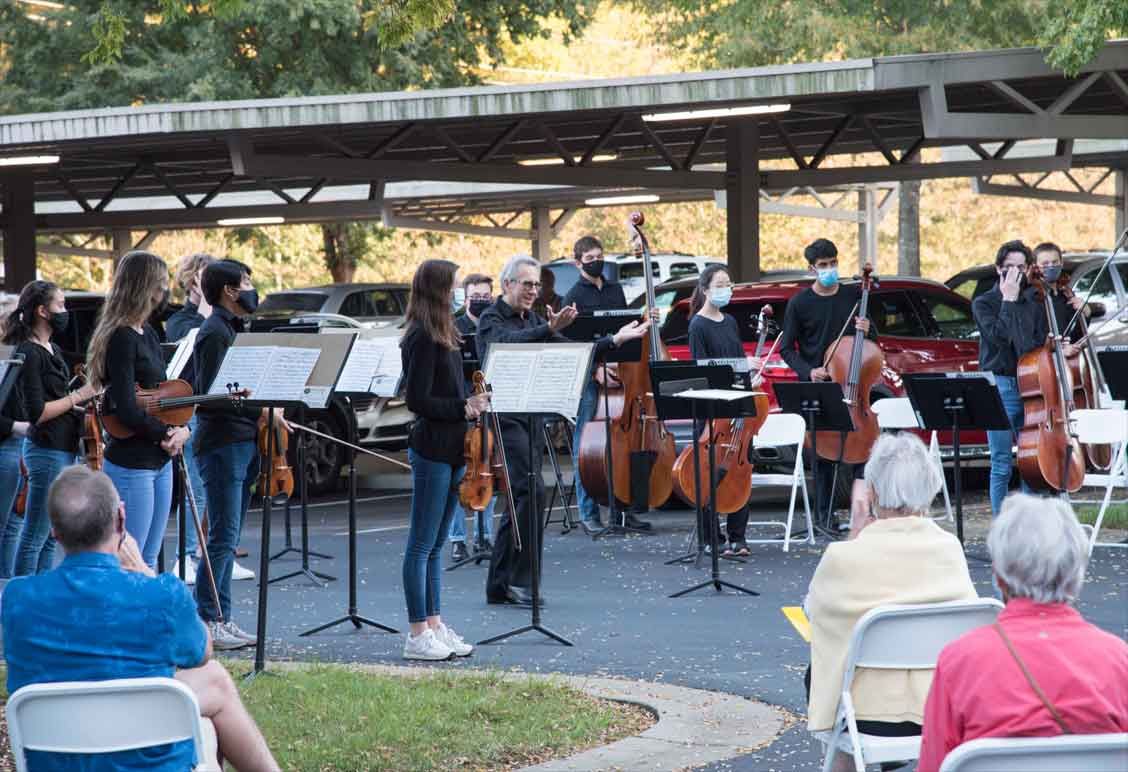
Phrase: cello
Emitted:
{"points": [[1049, 455], [638, 444], [732, 438], [855, 363], [1092, 386]]}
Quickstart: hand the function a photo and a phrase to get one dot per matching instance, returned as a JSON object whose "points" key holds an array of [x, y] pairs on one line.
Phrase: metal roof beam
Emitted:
{"points": [[392, 220]]}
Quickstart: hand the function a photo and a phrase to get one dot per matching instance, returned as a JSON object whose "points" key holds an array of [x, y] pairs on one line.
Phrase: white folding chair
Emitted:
{"points": [[90, 717], [1104, 427], [1075, 752], [898, 413], [897, 638], [782, 430]]}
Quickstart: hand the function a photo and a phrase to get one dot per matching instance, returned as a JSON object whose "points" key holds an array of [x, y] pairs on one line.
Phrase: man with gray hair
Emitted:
{"points": [[102, 614], [511, 320], [1041, 670]]}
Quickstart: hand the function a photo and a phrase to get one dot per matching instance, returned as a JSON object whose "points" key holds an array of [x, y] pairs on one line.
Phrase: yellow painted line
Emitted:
{"points": [[798, 620]]}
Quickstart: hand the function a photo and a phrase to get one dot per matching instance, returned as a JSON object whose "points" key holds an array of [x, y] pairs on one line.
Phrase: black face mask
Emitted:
{"points": [[594, 269], [162, 306], [248, 300], [478, 305], [58, 322]]}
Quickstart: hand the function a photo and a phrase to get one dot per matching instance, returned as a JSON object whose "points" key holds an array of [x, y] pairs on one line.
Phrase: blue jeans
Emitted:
{"points": [[1001, 442], [36, 551], [229, 472], [434, 494], [458, 523], [147, 496], [191, 542], [589, 509], [10, 482]]}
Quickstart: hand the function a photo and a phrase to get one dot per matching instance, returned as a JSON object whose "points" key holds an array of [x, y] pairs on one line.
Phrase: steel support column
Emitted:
{"points": [[542, 234], [19, 230], [867, 227], [122, 243], [742, 192], [1121, 221]]}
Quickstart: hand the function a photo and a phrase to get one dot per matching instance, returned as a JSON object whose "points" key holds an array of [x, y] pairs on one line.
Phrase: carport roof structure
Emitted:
{"points": [[770, 128]]}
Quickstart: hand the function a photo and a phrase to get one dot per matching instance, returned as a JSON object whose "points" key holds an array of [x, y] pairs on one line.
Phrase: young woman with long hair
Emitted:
{"points": [[13, 428], [125, 353], [51, 410], [436, 393]]}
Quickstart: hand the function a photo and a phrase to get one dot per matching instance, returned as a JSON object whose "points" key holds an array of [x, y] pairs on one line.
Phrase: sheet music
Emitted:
{"points": [[726, 395], [554, 380], [245, 366], [511, 377], [538, 378], [289, 369], [183, 354], [374, 367], [739, 365]]}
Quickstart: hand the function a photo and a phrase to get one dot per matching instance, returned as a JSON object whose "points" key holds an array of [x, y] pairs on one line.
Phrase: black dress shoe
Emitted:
{"points": [[483, 546], [591, 527], [458, 551], [633, 522]]}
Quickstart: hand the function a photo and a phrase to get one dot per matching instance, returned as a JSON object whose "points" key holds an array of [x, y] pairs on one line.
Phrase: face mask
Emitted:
{"points": [[458, 299], [162, 305], [58, 322], [1052, 273], [594, 269], [828, 277], [477, 306], [720, 296], [248, 300]]}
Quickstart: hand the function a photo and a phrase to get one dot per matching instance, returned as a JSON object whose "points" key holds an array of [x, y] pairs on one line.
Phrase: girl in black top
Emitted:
{"points": [[50, 408], [125, 352], [714, 334], [436, 393]]}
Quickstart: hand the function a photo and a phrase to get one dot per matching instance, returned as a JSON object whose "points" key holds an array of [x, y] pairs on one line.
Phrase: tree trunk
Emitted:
{"points": [[338, 259], [908, 229]]}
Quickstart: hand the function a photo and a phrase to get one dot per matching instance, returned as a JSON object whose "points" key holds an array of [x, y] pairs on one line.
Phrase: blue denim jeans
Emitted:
{"points": [[10, 482], [1001, 442], [191, 542], [229, 472], [458, 523], [36, 551], [147, 496], [434, 494], [589, 509]]}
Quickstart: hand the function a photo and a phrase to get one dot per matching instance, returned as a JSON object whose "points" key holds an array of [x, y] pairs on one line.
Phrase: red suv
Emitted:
{"points": [[922, 326]]}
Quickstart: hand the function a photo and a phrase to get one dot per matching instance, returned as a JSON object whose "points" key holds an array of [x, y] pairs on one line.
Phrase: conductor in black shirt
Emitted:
{"points": [[512, 320], [813, 321]]}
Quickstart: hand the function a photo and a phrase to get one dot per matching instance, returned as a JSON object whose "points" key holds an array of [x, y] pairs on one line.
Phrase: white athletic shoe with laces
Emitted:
{"points": [[453, 641], [240, 573], [426, 646], [239, 632]]}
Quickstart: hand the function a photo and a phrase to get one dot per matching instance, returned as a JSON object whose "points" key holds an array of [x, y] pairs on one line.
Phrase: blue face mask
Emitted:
{"points": [[1052, 273], [828, 277], [458, 299], [720, 296]]}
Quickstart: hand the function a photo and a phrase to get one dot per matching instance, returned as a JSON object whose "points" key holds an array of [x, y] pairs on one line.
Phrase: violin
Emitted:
{"points": [[486, 465], [91, 443], [276, 478], [1092, 384], [1049, 454], [855, 363], [171, 402], [732, 437], [640, 445]]}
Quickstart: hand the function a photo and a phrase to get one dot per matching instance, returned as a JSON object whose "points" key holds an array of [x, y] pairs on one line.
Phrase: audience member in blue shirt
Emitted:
{"points": [[102, 614]]}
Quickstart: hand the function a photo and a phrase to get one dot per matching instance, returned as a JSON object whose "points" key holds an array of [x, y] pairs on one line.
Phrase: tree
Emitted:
{"points": [[148, 51], [1074, 31]]}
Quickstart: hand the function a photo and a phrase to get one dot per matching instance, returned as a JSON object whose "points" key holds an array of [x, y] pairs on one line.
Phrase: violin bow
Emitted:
{"points": [[200, 535], [357, 448]]}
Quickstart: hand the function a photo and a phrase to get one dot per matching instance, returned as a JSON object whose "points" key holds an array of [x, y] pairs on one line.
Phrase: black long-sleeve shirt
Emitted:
{"points": [[589, 297], [1007, 329], [812, 322], [435, 392], [1064, 315], [13, 409], [714, 340], [44, 377], [501, 323], [219, 423], [186, 319], [133, 359]]}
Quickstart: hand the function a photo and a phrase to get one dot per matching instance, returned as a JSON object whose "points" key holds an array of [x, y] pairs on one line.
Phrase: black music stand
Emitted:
{"points": [[1114, 365], [669, 381], [588, 328], [957, 401], [565, 492], [823, 406]]}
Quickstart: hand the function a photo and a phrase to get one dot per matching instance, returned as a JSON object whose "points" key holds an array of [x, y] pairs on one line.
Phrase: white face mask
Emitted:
{"points": [[458, 299], [720, 296]]}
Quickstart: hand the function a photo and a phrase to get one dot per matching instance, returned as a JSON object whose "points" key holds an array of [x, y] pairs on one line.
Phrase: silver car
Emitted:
{"points": [[376, 305]]}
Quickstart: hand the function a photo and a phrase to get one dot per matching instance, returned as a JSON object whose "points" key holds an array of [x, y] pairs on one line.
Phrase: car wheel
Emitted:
{"points": [[323, 458]]}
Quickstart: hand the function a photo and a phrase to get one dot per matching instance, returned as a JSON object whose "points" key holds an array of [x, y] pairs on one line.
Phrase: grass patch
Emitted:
{"points": [[1116, 516]]}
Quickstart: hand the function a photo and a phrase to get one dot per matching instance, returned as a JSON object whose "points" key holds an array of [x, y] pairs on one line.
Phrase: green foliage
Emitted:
{"points": [[1077, 29]]}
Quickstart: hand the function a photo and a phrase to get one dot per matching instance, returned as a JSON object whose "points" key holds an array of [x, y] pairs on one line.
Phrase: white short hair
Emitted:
{"points": [[1038, 548], [902, 473], [509, 272]]}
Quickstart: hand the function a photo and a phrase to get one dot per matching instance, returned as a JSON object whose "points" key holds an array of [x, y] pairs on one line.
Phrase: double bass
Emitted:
{"points": [[855, 363], [638, 444], [732, 438], [1049, 454], [1092, 383]]}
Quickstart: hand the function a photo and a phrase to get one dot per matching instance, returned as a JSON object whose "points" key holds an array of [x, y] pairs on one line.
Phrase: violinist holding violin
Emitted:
{"points": [[814, 321], [1011, 323], [1047, 256]]}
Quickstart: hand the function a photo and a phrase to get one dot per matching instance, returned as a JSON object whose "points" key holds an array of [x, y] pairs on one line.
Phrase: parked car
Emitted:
{"points": [[1109, 295], [627, 270], [670, 293], [376, 305], [83, 308]]}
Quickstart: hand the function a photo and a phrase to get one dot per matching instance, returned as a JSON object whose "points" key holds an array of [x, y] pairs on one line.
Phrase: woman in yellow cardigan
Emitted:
{"points": [[899, 556]]}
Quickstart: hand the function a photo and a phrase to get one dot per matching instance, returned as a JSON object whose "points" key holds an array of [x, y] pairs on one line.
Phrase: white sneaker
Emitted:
{"points": [[189, 571], [223, 639], [453, 641], [239, 573], [426, 646], [239, 632]]}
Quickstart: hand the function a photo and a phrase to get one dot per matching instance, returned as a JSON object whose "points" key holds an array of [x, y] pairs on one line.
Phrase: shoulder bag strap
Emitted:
{"points": [[1030, 680]]}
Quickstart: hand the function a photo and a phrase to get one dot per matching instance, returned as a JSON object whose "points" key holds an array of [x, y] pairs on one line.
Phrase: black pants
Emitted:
{"points": [[509, 565], [736, 525], [824, 482], [879, 728]]}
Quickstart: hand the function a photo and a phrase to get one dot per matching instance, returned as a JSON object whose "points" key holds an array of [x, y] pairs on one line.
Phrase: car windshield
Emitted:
{"points": [[292, 301]]}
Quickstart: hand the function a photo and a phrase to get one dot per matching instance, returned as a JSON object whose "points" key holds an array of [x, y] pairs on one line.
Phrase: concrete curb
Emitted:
{"points": [[694, 727]]}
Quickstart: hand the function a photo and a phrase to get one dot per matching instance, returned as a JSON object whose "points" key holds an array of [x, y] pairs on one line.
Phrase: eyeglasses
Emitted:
{"points": [[530, 285]]}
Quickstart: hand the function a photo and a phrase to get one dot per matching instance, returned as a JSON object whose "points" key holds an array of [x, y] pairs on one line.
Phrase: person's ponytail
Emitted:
{"points": [[18, 325]]}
